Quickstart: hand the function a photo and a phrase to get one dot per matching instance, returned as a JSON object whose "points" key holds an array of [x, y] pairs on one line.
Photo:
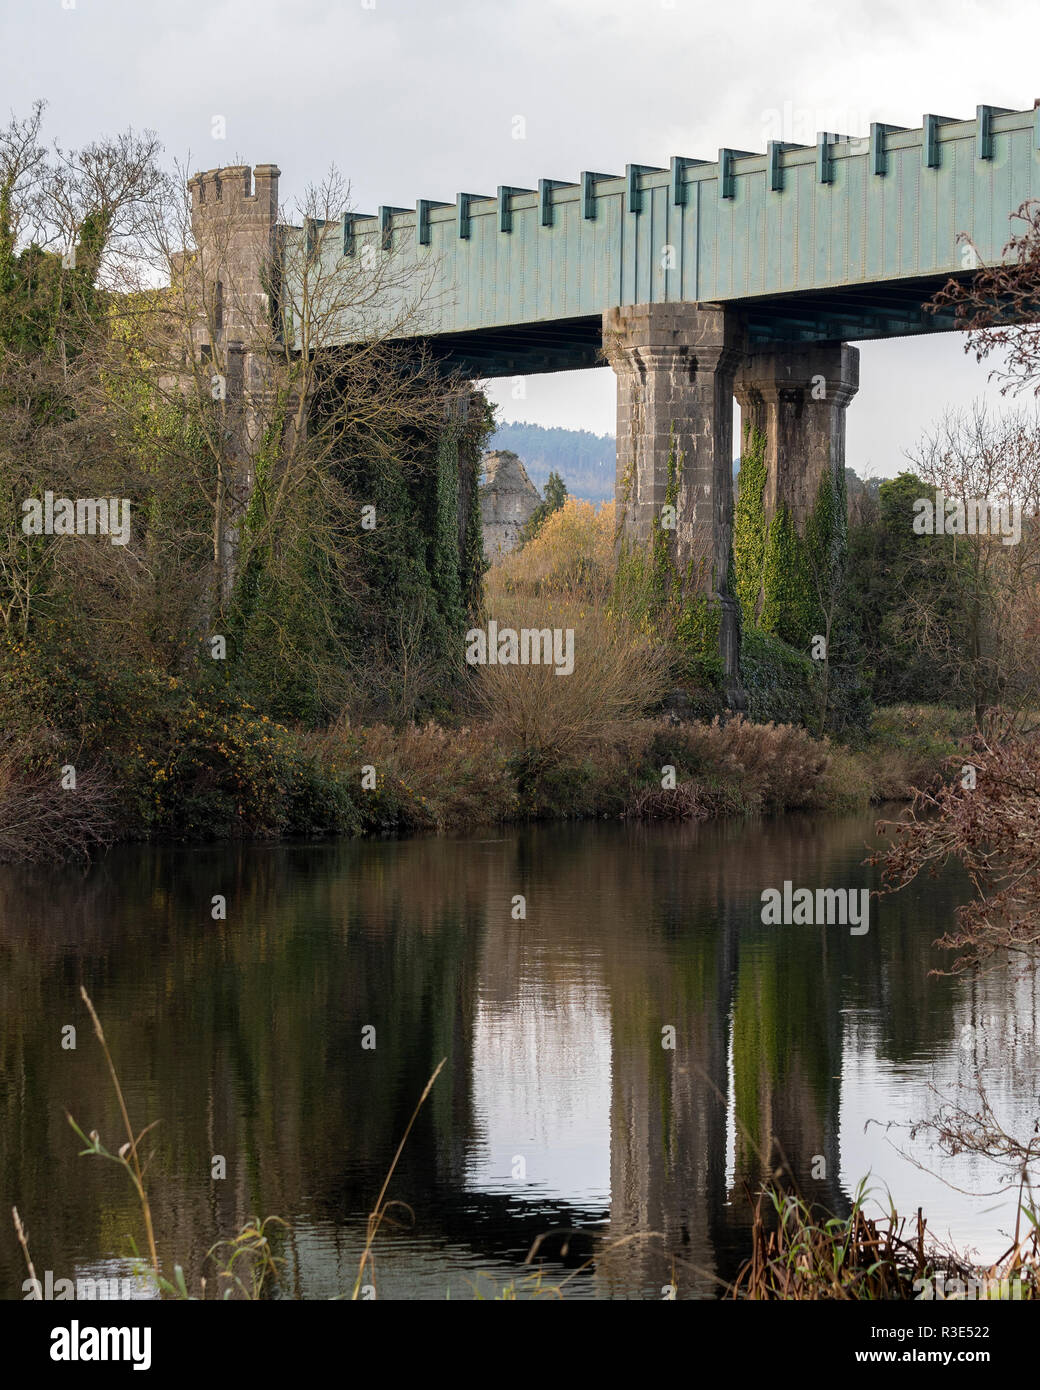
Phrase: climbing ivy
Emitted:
{"points": [[785, 582], [674, 604], [445, 556], [749, 525], [46, 302], [346, 614], [789, 600], [473, 564]]}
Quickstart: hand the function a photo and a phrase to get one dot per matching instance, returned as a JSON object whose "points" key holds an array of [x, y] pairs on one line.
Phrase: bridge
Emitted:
{"points": [[746, 275]]}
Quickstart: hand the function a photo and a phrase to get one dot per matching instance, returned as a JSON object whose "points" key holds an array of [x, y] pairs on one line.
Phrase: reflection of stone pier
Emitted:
{"points": [[668, 1110], [667, 1159], [551, 1027]]}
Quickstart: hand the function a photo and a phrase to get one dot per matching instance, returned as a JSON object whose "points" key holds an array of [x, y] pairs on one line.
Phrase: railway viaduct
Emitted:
{"points": [[744, 275]]}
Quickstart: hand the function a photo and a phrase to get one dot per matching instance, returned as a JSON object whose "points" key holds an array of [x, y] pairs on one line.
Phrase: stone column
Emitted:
{"points": [[795, 395], [675, 365]]}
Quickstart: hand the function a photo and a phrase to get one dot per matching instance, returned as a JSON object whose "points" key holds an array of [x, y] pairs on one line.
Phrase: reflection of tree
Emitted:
{"points": [[245, 1042], [244, 1036]]}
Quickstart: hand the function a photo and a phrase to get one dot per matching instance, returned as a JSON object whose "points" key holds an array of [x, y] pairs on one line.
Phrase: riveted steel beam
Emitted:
{"points": [[679, 164], [633, 192], [984, 133], [930, 145], [879, 147], [505, 205], [424, 236], [727, 176], [462, 221], [775, 163], [545, 202], [588, 192], [386, 226]]}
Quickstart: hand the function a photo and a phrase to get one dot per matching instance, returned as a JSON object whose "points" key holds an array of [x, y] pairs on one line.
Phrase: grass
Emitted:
{"points": [[244, 1263], [800, 1256], [379, 1212], [489, 773]]}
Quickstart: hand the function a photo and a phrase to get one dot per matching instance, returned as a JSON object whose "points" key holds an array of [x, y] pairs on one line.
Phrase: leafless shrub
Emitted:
{"points": [[988, 819], [39, 819]]}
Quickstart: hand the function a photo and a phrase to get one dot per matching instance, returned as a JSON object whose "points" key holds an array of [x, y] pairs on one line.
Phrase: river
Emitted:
{"points": [[293, 1036]]}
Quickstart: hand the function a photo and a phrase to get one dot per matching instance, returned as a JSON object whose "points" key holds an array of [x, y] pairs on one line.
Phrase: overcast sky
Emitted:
{"points": [[419, 98]]}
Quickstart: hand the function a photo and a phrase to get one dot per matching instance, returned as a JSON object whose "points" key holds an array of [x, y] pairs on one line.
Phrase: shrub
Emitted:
{"points": [[618, 674], [39, 818], [780, 682], [573, 553], [455, 777]]}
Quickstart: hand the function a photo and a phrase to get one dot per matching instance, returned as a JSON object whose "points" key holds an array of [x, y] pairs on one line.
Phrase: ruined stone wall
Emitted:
{"points": [[507, 501]]}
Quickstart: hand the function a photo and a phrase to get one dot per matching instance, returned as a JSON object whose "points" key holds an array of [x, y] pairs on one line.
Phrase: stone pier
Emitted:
{"points": [[796, 396], [675, 365], [678, 368]]}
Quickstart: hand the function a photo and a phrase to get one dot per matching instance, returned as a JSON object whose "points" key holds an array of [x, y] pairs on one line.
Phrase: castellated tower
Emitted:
{"points": [[234, 217], [234, 220]]}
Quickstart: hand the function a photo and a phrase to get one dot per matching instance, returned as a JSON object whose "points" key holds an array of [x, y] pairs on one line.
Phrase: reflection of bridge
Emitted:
{"points": [[750, 1091], [261, 1026], [749, 273], [555, 1054]]}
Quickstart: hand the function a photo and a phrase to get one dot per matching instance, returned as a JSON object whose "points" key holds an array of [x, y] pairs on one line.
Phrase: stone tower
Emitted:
{"points": [[234, 220]]}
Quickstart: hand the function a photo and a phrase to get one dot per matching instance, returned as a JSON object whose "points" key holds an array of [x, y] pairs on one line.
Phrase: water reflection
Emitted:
{"points": [[559, 1109]]}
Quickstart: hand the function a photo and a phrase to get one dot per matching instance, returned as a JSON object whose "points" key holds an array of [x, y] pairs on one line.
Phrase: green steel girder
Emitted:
{"points": [[825, 241]]}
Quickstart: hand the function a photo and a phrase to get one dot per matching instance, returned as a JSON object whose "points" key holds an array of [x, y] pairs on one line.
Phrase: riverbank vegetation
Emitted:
{"points": [[278, 649], [799, 1255]]}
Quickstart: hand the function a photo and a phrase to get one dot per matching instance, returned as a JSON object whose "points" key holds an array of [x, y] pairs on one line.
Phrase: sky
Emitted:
{"points": [[421, 98]]}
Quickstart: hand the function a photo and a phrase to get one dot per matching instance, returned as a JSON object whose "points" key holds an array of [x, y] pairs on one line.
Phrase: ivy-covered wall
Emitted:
{"points": [[674, 602], [791, 589], [379, 618], [787, 583]]}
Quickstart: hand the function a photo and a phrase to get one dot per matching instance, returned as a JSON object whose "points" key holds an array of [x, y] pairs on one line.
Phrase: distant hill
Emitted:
{"points": [[585, 461]]}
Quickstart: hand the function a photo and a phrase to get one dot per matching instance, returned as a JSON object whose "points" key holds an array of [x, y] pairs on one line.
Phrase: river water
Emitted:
{"points": [[293, 1038]]}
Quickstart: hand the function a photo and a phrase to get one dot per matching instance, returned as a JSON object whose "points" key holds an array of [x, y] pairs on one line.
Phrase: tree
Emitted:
{"points": [[295, 442], [997, 305], [552, 501], [987, 817], [194, 367], [986, 470], [951, 614]]}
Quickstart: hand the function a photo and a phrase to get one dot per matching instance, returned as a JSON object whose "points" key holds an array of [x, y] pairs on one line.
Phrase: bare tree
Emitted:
{"points": [[987, 467], [986, 818], [997, 305]]}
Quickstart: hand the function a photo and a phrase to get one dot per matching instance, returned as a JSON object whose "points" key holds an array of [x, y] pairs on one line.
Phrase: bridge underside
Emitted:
{"points": [[786, 358], [852, 313], [748, 276]]}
